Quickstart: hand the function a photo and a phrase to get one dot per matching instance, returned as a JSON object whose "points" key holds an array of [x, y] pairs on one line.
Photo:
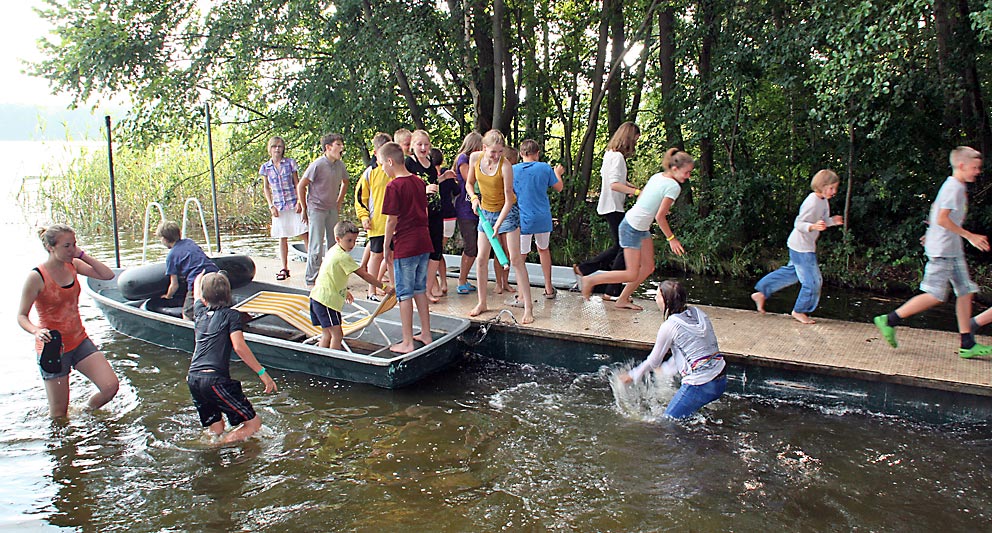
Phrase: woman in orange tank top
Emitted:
{"points": [[495, 177], [53, 290]]}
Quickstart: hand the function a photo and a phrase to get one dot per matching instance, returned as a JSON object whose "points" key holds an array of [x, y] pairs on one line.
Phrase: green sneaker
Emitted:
{"points": [[978, 350], [887, 331]]}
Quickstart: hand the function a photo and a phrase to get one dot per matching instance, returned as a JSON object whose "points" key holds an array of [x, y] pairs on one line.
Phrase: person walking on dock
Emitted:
{"points": [[321, 194], [814, 217], [945, 256]]}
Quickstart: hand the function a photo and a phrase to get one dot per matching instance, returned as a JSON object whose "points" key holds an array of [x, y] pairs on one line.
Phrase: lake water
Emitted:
{"points": [[484, 446]]}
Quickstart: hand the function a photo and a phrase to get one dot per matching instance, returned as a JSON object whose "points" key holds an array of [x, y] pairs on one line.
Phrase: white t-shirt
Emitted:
{"points": [[614, 170], [942, 242], [659, 187], [814, 209]]}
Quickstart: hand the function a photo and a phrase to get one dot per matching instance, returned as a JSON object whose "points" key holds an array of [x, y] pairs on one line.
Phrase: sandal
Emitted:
{"points": [[283, 274], [551, 295], [466, 288]]}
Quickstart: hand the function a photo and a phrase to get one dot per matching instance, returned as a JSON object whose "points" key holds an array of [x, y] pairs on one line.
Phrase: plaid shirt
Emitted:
{"points": [[281, 182]]}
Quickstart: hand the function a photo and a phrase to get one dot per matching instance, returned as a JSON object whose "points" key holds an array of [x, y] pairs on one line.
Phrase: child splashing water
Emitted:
{"points": [[696, 357]]}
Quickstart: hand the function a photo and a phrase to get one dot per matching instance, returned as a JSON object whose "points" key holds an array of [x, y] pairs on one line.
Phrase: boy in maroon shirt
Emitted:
{"points": [[407, 243]]}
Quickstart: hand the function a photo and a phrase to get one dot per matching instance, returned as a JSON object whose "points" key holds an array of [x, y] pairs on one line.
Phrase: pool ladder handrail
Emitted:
{"points": [[161, 212]]}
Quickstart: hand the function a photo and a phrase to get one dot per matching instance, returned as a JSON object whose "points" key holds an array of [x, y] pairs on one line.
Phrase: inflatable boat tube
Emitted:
{"points": [[150, 281]]}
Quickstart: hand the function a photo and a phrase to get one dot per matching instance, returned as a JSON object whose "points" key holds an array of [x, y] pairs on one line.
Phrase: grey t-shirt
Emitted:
{"points": [[814, 209], [325, 182], [941, 242]]}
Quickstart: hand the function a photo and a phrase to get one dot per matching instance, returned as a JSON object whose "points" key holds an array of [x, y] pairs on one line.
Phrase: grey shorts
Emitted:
{"points": [[70, 359], [941, 271]]}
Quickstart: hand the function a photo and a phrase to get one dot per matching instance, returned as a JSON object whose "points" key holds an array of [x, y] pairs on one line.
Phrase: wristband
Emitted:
{"points": [[81, 254], [637, 192], [670, 238], [261, 372]]}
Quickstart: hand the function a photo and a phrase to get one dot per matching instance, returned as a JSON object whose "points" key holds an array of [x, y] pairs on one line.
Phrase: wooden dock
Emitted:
{"points": [[808, 359]]}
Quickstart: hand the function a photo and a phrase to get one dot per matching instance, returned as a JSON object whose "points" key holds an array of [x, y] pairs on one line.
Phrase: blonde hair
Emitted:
{"points": [[675, 158], [49, 236], [216, 290], [471, 143], [419, 133], [493, 138], [624, 139], [380, 139], [275, 139], [963, 154], [169, 231], [392, 151], [823, 179], [401, 135]]}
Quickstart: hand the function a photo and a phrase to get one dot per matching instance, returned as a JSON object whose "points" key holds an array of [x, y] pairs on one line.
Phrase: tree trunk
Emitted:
{"points": [[615, 101], [666, 36], [638, 85], [498, 60], [975, 118], [481, 33], [708, 24], [589, 139]]}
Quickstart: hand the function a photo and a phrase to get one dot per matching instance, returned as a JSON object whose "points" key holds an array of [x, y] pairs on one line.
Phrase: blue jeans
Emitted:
{"points": [[690, 398], [411, 276], [802, 268]]}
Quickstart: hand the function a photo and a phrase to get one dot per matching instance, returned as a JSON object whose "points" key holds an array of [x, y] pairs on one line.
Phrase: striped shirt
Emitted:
{"points": [[281, 182]]}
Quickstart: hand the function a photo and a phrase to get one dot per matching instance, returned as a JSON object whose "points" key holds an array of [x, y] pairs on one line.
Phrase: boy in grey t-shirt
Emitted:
{"points": [[945, 256]]}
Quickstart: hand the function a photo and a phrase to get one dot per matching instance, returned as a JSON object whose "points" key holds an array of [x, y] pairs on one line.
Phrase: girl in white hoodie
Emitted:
{"points": [[688, 333]]}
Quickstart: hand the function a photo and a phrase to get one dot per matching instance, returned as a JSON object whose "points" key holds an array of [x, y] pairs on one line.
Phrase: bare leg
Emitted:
{"points": [[375, 261], [406, 322], [58, 396], [96, 368], [465, 266], [443, 270], [917, 304], [962, 308], [245, 430], [632, 259], [523, 279], [432, 288], [424, 311], [482, 275], [545, 256], [645, 266], [284, 252]]}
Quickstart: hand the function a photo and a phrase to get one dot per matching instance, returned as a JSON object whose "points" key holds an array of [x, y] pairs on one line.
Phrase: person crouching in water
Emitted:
{"points": [[218, 331], [688, 332]]}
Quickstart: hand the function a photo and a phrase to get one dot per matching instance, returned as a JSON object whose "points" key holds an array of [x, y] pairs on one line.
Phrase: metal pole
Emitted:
{"points": [[213, 176], [113, 193]]}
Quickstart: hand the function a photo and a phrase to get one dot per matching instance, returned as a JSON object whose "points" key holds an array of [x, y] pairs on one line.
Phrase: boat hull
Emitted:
{"points": [[380, 368]]}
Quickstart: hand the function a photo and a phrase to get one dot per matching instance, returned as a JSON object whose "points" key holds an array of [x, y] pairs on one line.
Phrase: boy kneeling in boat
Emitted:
{"points": [[185, 260]]}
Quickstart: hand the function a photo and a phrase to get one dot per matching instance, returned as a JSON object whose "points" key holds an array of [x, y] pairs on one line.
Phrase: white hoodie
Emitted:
{"points": [[691, 338]]}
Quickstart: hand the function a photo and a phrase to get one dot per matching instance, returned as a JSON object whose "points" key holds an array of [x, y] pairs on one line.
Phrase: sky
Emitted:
{"points": [[19, 41]]}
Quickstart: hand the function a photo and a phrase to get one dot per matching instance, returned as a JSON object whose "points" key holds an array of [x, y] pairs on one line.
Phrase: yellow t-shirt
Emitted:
{"points": [[331, 285], [491, 187], [369, 192]]}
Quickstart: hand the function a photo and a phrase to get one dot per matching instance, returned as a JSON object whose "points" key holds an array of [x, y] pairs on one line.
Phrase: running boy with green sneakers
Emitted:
{"points": [[945, 256]]}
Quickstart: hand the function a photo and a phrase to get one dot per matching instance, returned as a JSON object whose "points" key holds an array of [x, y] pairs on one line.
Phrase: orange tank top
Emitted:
{"points": [[491, 187], [58, 308]]}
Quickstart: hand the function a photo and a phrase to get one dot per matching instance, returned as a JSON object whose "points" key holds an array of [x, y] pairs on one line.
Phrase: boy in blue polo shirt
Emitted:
{"points": [[186, 260], [531, 180]]}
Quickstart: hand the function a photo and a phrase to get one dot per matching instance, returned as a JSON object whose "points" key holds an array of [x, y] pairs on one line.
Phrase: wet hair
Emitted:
{"points": [[963, 154], [330, 138], [169, 231], [823, 179], [675, 158], [392, 151], [275, 140], [511, 155], [471, 143], [624, 139], [345, 227], [493, 138], [215, 289], [49, 236], [529, 147], [674, 296], [380, 139], [436, 157]]}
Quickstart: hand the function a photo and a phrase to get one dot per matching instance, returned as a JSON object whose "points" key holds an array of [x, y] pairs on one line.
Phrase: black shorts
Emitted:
{"points": [[323, 316], [215, 395], [375, 244]]}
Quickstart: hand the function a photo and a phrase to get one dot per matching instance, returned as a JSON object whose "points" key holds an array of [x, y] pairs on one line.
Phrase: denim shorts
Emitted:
{"points": [[941, 271], [411, 276], [70, 359], [510, 223], [630, 237]]}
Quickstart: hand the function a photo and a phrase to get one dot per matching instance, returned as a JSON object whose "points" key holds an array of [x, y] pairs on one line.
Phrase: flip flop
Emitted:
{"points": [[283, 274], [466, 288], [552, 295]]}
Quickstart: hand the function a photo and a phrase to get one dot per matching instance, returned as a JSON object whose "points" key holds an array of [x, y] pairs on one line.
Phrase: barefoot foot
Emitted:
{"points": [[585, 287], [627, 304], [803, 317], [478, 310], [426, 339], [759, 301], [527, 319], [402, 347]]}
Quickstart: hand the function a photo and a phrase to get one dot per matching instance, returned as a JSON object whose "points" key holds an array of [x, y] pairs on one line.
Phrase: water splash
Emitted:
{"points": [[643, 400]]}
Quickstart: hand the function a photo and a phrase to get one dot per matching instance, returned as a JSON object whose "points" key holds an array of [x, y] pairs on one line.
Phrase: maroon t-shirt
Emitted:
{"points": [[406, 199]]}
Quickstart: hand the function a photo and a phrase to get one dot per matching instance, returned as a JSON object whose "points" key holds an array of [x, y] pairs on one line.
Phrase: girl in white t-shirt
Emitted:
{"points": [[653, 204]]}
